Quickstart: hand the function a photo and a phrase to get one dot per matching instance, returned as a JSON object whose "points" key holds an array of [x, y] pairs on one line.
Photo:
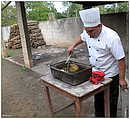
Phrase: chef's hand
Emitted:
{"points": [[70, 50], [123, 84]]}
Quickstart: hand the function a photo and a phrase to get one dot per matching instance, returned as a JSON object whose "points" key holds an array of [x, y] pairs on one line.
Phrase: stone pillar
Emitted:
{"points": [[22, 23]]}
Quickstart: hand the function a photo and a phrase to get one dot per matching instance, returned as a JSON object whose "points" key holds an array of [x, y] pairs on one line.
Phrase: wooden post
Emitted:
{"points": [[48, 99], [78, 107], [22, 23]]}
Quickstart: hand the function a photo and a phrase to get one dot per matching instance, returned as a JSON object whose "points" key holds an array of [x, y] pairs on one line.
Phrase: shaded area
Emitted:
{"points": [[48, 53]]}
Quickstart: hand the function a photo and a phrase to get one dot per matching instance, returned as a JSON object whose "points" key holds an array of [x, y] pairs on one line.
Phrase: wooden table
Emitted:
{"points": [[76, 93]]}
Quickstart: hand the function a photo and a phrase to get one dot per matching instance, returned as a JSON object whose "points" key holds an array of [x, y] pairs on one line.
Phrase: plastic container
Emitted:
{"points": [[73, 78]]}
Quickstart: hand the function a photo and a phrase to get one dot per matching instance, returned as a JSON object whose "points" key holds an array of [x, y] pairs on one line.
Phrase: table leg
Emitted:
{"points": [[107, 102], [48, 100], [78, 107]]}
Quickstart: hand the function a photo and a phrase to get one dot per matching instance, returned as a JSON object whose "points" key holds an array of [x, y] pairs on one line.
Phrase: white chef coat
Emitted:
{"points": [[104, 51]]}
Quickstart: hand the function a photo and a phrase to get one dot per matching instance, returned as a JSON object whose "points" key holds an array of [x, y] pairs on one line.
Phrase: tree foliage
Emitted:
{"points": [[39, 10], [72, 10], [8, 15], [114, 8]]}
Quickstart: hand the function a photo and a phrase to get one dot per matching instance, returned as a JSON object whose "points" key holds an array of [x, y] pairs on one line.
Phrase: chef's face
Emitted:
{"points": [[94, 32]]}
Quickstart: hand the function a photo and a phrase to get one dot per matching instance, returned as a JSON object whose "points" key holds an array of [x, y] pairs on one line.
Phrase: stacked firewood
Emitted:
{"points": [[35, 36]]}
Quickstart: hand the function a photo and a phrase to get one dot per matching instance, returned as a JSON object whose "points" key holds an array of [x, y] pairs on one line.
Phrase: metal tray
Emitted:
{"points": [[74, 78]]}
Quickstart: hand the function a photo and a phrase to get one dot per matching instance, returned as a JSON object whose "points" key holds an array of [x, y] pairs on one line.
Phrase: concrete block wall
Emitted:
{"points": [[5, 33], [64, 32], [120, 23], [61, 32]]}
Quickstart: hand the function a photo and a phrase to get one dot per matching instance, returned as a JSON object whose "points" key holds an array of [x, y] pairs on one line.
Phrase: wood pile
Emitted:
{"points": [[35, 36]]}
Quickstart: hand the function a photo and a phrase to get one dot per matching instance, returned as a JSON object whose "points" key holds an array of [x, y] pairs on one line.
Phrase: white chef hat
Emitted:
{"points": [[90, 17]]}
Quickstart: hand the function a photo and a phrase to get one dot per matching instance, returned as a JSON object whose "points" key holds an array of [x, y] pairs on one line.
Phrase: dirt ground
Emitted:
{"points": [[23, 96]]}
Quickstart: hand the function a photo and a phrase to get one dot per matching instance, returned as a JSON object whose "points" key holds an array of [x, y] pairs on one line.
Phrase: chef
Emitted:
{"points": [[106, 54]]}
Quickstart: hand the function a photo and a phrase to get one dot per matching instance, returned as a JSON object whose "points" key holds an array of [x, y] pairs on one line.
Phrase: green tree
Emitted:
{"points": [[123, 7], [58, 15], [50, 5], [8, 15], [73, 9], [114, 8], [37, 11]]}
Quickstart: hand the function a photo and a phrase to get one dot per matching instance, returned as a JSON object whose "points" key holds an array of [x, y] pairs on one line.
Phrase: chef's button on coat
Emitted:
{"points": [[89, 46], [98, 40], [96, 60], [93, 65], [89, 56]]}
